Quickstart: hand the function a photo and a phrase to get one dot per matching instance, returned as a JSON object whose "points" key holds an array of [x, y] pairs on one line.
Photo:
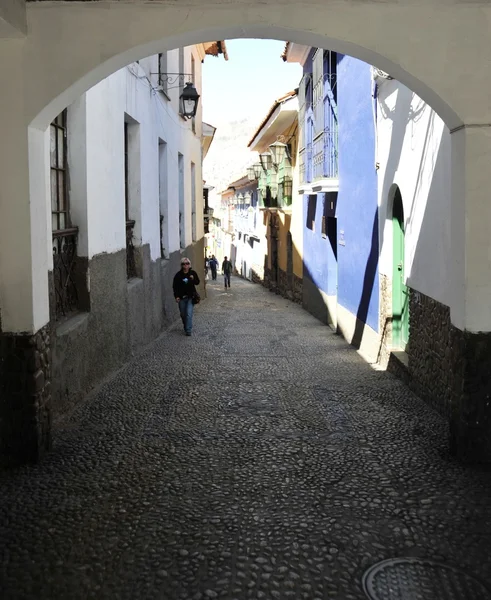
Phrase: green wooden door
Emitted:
{"points": [[400, 295]]}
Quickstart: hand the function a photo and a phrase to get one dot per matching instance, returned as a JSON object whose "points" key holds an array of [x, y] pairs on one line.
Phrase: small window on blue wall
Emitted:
{"points": [[311, 209]]}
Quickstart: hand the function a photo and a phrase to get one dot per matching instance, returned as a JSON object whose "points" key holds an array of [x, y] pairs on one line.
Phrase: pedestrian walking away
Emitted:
{"points": [[227, 271], [184, 286], [213, 267]]}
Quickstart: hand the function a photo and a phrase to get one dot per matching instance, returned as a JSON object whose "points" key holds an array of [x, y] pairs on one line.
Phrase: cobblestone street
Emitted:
{"points": [[259, 458]]}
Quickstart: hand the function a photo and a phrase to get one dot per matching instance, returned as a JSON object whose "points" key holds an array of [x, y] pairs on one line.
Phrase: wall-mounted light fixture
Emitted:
{"points": [[266, 160], [189, 98], [278, 152], [188, 101], [258, 168]]}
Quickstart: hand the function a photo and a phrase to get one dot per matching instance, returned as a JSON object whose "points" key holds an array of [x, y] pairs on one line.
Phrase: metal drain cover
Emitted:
{"points": [[416, 579]]}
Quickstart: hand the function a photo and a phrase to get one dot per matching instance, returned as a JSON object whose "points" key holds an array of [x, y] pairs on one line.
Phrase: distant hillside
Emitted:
{"points": [[229, 156]]}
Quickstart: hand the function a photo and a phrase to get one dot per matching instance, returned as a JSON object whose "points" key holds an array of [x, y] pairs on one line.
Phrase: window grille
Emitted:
{"points": [[64, 236], [60, 216]]}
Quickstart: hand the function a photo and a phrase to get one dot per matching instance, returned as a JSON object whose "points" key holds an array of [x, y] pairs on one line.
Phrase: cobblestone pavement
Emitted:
{"points": [[259, 458]]}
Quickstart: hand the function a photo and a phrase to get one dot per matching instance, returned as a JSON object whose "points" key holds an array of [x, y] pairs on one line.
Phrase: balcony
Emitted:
{"points": [[325, 163]]}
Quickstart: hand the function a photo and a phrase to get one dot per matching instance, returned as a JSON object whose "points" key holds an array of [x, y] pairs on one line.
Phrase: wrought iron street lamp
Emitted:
{"points": [[278, 151], [188, 101], [251, 176]]}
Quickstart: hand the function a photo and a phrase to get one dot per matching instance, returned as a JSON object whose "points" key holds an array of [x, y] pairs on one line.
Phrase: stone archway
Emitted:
{"points": [[70, 46]]}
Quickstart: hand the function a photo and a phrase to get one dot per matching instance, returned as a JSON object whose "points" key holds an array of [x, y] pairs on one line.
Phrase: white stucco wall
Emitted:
{"points": [[96, 160], [413, 151]]}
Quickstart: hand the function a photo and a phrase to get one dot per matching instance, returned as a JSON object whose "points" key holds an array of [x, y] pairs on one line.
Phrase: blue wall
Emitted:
{"points": [[358, 282], [354, 274]]}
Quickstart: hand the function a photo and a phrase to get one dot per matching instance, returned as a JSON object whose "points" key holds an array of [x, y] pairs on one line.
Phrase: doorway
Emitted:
{"points": [[400, 293]]}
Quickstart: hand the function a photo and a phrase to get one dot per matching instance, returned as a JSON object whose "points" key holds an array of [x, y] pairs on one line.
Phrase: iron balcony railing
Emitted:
{"points": [[64, 261], [325, 163]]}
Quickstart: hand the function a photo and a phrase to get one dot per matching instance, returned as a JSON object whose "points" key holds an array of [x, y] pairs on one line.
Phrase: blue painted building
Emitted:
{"points": [[338, 183]]}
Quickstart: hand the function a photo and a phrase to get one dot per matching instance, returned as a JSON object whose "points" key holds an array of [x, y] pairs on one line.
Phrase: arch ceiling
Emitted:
{"points": [[71, 46]]}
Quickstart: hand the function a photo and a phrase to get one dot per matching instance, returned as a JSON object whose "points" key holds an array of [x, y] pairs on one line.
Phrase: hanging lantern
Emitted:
{"points": [[266, 160], [251, 174], [188, 101], [278, 151], [257, 170]]}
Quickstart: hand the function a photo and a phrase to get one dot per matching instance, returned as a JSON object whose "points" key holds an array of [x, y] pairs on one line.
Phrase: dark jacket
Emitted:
{"points": [[183, 285], [227, 267]]}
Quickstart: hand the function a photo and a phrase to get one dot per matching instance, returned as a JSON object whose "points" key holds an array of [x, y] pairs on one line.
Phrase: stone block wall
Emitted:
{"points": [[450, 369], [25, 394], [45, 375], [430, 351], [124, 316], [288, 287]]}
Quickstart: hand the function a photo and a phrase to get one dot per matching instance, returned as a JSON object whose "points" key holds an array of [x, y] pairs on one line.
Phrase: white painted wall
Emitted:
{"points": [[413, 151], [96, 160]]}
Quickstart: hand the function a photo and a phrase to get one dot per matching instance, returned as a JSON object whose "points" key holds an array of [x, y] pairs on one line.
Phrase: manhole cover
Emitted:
{"points": [[416, 579]]}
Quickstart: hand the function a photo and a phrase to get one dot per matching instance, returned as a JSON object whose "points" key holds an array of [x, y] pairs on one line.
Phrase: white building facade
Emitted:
{"points": [[414, 197], [125, 196]]}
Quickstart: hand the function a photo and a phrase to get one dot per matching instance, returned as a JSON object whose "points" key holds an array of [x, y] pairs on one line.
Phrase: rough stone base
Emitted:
{"points": [[450, 369], [288, 286], [429, 351], [25, 393], [124, 316], [470, 417]]}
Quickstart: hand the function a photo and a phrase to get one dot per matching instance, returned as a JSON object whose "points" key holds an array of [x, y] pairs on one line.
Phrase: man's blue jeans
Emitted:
{"points": [[186, 310], [226, 278]]}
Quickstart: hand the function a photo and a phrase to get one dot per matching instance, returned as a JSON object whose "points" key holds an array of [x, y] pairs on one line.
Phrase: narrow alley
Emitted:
{"points": [[259, 458]]}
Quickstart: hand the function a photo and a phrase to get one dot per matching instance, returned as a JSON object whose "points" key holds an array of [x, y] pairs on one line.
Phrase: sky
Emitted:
{"points": [[248, 83]]}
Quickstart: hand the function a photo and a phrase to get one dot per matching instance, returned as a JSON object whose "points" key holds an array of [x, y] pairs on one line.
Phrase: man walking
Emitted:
{"points": [[213, 267], [227, 271]]}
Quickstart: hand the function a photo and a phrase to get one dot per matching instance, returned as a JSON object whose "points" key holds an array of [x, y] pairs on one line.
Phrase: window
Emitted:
{"points": [[193, 79], [64, 237], [182, 223], [163, 82], [60, 216], [131, 181], [330, 167], [193, 199], [181, 71], [311, 211], [126, 172], [164, 200]]}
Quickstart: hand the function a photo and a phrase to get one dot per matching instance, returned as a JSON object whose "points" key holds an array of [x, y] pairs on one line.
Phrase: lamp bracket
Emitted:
{"points": [[173, 80]]}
